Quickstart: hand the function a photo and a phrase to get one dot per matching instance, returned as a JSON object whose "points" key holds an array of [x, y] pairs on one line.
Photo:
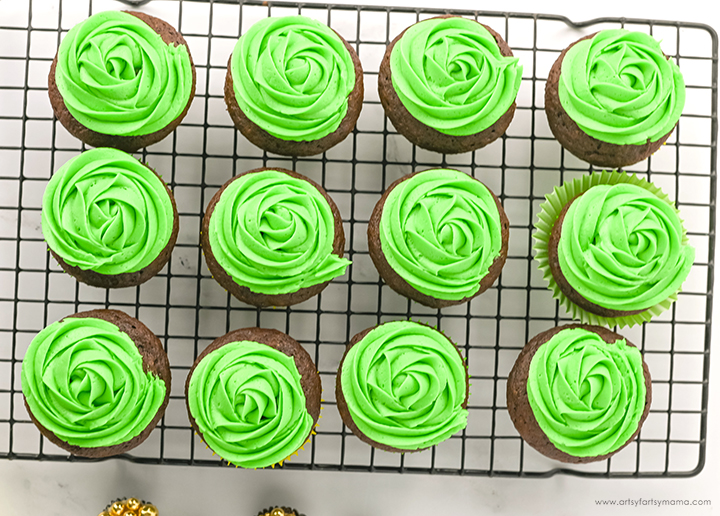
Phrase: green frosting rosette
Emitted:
{"points": [[440, 230], [105, 211], [619, 87], [450, 75], [248, 403], [83, 380], [117, 76], [274, 233], [405, 385], [587, 396], [623, 247], [292, 77]]}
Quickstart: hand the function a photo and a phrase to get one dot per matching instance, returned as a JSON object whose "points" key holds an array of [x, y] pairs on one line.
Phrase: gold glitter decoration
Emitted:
{"points": [[149, 510], [130, 507], [278, 511]]}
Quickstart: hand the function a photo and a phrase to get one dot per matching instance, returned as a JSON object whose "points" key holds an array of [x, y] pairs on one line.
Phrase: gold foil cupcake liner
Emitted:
{"points": [[549, 213]]}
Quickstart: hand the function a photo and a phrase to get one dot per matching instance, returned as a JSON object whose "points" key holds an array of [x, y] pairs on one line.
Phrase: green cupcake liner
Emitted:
{"points": [[549, 213]]}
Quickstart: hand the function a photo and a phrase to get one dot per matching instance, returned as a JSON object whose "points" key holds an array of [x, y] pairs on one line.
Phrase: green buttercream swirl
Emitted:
{"points": [[247, 401], [83, 380], [117, 76], [274, 233], [107, 212], [405, 385], [588, 396], [440, 230], [619, 87], [292, 77], [621, 248], [450, 75]]}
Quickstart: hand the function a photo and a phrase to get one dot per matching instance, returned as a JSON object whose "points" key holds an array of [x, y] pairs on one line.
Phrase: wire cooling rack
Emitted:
{"points": [[187, 309]]}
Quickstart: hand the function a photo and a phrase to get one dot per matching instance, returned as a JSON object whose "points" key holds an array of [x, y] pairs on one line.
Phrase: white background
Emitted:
{"points": [[30, 488]]}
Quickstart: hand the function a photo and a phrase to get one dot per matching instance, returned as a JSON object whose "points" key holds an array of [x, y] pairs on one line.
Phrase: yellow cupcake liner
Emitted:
{"points": [[550, 212]]}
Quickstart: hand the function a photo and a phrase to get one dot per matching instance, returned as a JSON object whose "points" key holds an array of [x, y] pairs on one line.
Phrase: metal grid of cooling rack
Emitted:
{"points": [[187, 309]]}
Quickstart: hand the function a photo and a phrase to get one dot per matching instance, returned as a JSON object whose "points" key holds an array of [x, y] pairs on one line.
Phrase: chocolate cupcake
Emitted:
{"points": [[96, 383], [273, 237], [109, 220], [439, 237], [294, 86], [402, 386], [448, 84], [617, 250], [122, 79], [579, 393], [253, 396], [613, 98]]}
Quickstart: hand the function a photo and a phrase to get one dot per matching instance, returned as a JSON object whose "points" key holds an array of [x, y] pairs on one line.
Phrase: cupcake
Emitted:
{"points": [[272, 237], [294, 86], [253, 396], [579, 393], [448, 84], [616, 247], [439, 237], [96, 383], [402, 386], [109, 220], [613, 98], [121, 79]]}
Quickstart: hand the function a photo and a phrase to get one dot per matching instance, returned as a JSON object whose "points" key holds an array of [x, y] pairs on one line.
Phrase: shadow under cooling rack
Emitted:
{"points": [[186, 308]]}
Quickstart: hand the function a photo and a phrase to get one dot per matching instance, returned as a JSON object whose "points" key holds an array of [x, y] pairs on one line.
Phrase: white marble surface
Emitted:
{"points": [[50, 489]]}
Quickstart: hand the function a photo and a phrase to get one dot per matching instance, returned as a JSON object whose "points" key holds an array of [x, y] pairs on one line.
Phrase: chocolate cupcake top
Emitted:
{"points": [[588, 396], [274, 233], [117, 76], [450, 74], [83, 380], [248, 403], [621, 247], [619, 87], [107, 212], [292, 77], [405, 385], [440, 230]]}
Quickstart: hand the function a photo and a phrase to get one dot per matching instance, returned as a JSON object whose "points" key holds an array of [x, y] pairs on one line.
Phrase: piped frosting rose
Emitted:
{"points": [[292, 77], [621, 247], [405, 386], [107, 212], [117, 76], [450, 75], [274, 233], [587, 396], [83, 380], [440, 230], [619, 87], [247, 401]]}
